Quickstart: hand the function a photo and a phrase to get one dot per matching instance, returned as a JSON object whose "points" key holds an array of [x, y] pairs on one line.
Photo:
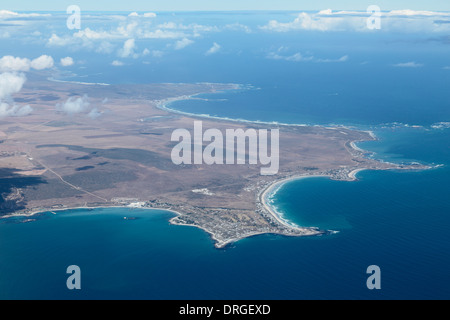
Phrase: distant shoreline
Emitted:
{"points": [[164, 105]]}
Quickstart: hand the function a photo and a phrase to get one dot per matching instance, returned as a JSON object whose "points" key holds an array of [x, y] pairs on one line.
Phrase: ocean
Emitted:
{"points": [[396, 220]]}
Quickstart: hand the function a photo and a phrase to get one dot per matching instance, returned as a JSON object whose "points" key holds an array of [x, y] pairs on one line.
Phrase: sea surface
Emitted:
{"points": [[397, 220]]}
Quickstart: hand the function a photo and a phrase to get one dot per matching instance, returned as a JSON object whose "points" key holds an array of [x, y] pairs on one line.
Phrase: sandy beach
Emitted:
{"points": [[266, 193]]}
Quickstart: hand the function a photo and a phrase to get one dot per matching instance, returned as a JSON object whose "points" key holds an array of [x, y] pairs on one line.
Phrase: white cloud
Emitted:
{"points": [[406, 21], [43, 62], [411, 64], [303, 21], [237, 27], [128, 48], [145, 15], [105, 47], [7, 110], [132, 29], [6, 14], [298, 57], [393, 13], [326, 12], [149, 15], [97, 35], [214, 49], [194, 27], [162, 34], [94, 113], [67, 62], [153, 53], [11, 83], [10, 63], [74, 105], [341, 59], [57, 41], [183, 43], [409, 13], [295, 57], [117, 63]]}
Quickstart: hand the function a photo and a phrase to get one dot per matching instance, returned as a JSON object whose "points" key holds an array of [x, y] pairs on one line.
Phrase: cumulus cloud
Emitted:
{"points": [[94, 113], [66, 62], [58, 41], [303, 21], [214, 49], [145, 15], [137, 26], [11, 83], [328, 20], [41, 63], [74, 105], [77, 105], [90, 34], [183, 43], [10, 63], [14, 110], [127, 49]]}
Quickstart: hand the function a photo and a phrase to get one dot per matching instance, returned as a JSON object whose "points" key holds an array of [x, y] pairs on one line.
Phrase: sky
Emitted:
{"points": [[213, 5]]}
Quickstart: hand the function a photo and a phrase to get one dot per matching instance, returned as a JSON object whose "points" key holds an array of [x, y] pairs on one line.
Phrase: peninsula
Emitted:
{"points": [[51, 160]]}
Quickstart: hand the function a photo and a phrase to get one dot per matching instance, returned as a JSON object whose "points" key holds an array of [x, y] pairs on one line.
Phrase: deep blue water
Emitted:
{"points": [[396, 220]]}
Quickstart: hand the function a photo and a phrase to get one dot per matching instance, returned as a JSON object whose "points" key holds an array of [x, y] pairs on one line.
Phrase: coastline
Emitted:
{"points": [[219, 244], [285, 227], [269, 191]]}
